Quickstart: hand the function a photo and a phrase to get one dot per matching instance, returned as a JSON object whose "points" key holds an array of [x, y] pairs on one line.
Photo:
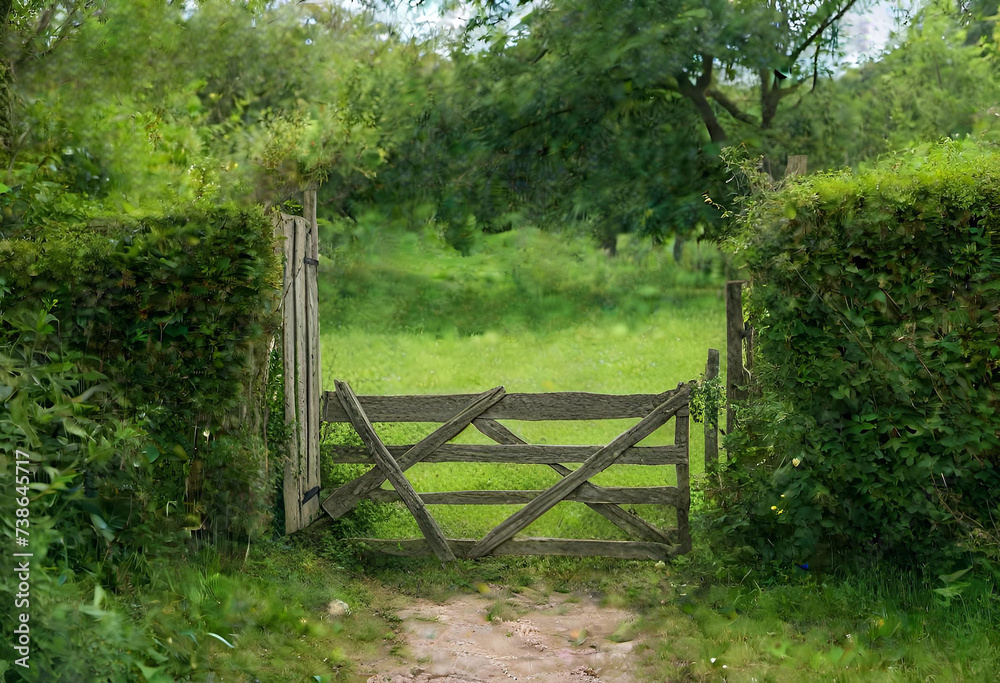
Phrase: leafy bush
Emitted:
{"points": [[176, 313], [134, 357], [875, 300]]}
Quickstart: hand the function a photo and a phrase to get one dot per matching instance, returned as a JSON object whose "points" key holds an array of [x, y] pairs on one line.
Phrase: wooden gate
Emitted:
{"points": [[456, 412]]}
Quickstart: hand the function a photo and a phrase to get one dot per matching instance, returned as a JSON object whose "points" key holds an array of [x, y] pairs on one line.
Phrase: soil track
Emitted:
{"points": [[528, 636]]}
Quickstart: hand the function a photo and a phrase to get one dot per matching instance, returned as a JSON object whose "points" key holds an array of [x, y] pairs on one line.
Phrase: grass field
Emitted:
{"points": [[615, 326], [537, 313]]}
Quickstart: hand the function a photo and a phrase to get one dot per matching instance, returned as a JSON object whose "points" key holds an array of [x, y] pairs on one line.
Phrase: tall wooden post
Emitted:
{"points": [[797, 165], [711, 412], [682, 438], [300, 306], [735, 332]]}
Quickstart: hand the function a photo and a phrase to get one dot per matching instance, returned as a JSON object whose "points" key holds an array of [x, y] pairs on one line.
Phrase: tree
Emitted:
{"points": [[134, 110], [611, 114], [30, 31], [934, 83]]}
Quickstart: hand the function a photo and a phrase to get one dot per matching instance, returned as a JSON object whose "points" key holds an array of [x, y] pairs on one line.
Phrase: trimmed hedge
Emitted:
{"points": [[876, 299], [176, 313]]}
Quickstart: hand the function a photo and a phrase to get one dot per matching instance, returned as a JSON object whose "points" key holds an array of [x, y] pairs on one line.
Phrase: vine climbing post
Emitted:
{"points": [[735, 332], [711, 410]]}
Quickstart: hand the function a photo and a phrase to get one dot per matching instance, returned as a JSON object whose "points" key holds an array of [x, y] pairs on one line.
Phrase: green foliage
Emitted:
{"points": [[707, 398], [874, 297], [277, 431], [173, 311], [932, 84], [134, 355], [85, 478]]}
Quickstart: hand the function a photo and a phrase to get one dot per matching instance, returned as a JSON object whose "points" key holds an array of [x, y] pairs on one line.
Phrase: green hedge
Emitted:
{"points": [[176, 313], [875, 298], [135, 361]]}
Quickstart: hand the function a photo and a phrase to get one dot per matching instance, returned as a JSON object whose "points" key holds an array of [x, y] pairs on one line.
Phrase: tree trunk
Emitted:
{"points": [[696, 92], [609, 243], [716, 132]]}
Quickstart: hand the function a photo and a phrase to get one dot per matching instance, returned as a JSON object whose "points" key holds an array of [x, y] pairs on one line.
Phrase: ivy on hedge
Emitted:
{"points": [[876, 299]]}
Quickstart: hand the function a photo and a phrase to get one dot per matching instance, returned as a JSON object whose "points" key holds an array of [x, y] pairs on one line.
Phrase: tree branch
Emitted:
{"points": [[704, 80], [731, 107], [547, 117], [785, 92], [697, 96], [825, 24]]}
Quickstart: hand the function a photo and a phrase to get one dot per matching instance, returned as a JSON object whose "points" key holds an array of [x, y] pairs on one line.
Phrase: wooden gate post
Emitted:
{"points": [[735, 331], [797, 165], [711, 411], [300, 307]]}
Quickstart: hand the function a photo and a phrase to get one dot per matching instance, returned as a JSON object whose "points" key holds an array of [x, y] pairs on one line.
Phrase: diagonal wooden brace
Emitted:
{"points": [[344, 499], [628, 523], [596, 463], [385, 462]]}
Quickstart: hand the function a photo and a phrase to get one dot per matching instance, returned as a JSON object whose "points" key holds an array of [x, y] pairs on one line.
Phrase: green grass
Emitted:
{"points": [[536, 314], [640, 339], [702, 619]]}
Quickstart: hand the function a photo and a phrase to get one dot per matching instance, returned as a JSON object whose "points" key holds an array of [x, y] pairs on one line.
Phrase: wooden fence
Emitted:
{"points": [[307, 406], [482, 411], [300, 333]]}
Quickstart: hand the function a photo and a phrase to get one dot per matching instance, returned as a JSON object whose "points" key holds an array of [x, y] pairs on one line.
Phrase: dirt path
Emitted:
{"points": [[528, 636]]}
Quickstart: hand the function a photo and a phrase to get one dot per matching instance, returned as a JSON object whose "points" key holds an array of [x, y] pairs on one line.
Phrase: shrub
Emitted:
{"points": [[875, 298], [134, 357], [176, 313]]}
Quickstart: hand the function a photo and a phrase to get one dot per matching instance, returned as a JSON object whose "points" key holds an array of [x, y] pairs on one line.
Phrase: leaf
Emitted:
{"points": [[697, 13], [951, 578], [150, 673], [102, 527], [4, 189], [218, 637]]}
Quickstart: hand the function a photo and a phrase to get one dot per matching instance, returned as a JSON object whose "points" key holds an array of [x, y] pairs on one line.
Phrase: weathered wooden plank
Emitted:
{"points": [[797, 165], [555, 406], [347, 496], [630, 550], [528, 454], [734, 349], [632, 524], [711, 413], [301, 360], [683, 487], [291, 481], [598, 462], [636, 495], [428, 526], [310, 271]]}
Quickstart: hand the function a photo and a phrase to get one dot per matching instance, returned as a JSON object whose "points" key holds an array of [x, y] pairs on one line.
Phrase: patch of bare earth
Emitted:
{"points": [[523, 637]]}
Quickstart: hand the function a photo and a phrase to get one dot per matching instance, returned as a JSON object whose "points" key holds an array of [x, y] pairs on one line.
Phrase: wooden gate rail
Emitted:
{"points": [[457, 412]]}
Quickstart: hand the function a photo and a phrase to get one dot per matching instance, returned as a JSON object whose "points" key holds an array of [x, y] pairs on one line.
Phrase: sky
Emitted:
{"points": [[866, 30]]}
